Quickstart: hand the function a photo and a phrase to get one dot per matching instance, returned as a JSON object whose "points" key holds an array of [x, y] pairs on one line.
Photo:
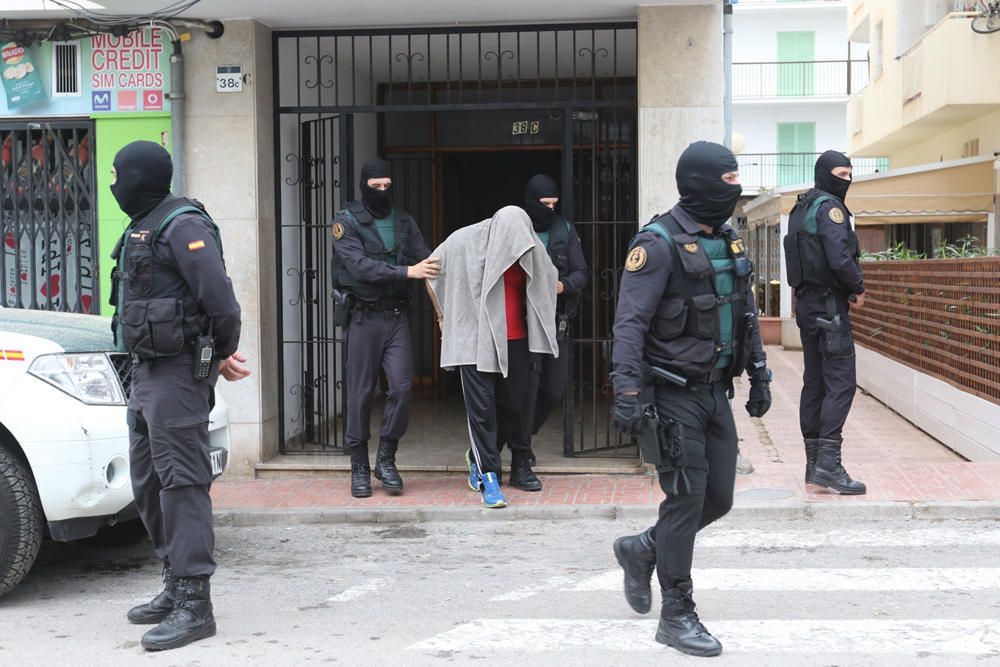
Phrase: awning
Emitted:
{"points": [[955, 191]]}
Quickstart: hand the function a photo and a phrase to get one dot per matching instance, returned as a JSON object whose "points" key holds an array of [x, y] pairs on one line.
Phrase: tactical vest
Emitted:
{"points": [[700, 323], [557, 245], [155, 313], [358, 217], [805, 259]]}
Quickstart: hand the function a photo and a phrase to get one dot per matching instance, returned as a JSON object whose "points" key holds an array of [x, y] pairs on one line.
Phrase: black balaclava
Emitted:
{"points": [[143, 171], [378, 202], [704, 195], [541, 215], [825, 180]]}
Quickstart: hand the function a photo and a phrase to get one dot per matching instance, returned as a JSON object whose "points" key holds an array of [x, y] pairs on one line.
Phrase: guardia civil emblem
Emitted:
{"points": [[837, 215], [636, 259], [691, 247], [338, 231]]}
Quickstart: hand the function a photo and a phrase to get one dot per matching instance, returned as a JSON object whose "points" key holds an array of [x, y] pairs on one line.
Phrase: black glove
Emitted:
{"points": [[627, 416], [760, 393]]}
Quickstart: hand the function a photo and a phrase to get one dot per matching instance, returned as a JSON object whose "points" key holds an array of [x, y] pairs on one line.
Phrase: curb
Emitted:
{"points": [[778, 511]]}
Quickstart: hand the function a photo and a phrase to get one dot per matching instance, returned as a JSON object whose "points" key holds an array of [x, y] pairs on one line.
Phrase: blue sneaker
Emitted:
{"points": [[492, 495], [475, 479]]}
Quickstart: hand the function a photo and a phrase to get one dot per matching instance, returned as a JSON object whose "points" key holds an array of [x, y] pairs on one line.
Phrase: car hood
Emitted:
{"points": [[74, 332]]}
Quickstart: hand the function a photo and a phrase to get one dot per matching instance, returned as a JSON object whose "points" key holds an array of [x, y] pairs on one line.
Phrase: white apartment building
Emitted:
{"points": [[793, 71]]}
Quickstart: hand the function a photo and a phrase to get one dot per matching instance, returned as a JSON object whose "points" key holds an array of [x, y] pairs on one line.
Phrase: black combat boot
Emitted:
{"points": [[156, 609], [385, 466], [831, 474], [680, 626], [361, 472], [637, 556], [521, 475], [190, 620], [812, 450]]}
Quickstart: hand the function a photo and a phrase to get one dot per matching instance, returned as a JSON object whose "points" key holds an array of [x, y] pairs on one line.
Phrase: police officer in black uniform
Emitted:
{"points": [[176, 313], [686, 325], [821, 256], [541, 196], [377, 247]]}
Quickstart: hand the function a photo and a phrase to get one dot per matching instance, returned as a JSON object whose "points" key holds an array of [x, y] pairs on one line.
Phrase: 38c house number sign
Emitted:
{"points": [[526, 127], [229, 79]]}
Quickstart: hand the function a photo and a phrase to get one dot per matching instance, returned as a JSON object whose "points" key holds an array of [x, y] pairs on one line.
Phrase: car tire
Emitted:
{"points": [[20, 521]]}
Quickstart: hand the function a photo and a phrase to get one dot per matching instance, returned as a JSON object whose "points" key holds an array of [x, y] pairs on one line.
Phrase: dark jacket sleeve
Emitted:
{"points": [[351, 249], [192, 247], [576, 279], [840, 247], [638, 297]]}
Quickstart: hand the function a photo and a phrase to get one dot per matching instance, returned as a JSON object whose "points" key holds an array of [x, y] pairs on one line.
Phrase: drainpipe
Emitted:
{"points": [[727, 68], [176, 97]]}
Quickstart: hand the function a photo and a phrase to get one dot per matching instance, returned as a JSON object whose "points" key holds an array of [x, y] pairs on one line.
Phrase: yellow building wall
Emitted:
{"points": [[949, 144]]}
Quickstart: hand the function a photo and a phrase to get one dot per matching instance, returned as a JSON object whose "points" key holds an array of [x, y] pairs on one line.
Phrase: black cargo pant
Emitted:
{"points": [[498, 408], [170, 461], [704, 492], [552, 383], [828, 385], [377, 340]]}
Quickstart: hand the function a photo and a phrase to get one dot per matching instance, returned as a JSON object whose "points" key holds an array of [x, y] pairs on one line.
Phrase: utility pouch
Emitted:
{"points": [[154, 328], [562, 326], [342, 303], [651, 436], [836, 340]]}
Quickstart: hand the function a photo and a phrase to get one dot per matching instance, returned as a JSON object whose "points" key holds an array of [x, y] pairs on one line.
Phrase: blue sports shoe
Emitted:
{"points": [[492, 495], [475, 478]]}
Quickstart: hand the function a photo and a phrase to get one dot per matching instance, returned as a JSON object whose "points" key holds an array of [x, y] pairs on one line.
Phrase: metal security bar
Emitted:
{"points": [[48, 207], [814, 78], [566, 90]]}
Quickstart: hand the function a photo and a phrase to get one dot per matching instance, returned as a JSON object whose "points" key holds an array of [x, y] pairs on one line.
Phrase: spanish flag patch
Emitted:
{"points": [[196, 245], [12, 355]]}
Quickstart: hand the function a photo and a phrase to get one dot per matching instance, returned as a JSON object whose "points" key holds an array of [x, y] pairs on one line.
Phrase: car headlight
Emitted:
{"points": [[88, 377]]}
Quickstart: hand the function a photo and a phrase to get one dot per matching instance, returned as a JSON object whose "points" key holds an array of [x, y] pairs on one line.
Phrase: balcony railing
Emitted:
{"points": [[814, 78], [772, 170]]}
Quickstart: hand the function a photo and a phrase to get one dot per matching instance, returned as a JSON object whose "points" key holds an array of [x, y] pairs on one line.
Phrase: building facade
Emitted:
{"points": [[466, 107]]}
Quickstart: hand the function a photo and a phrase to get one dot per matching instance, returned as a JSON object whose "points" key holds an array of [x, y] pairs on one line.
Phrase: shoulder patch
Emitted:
{"points": [[691, 247], [636, 259], [338, 230], [196, 245], [737, 247], [836, 215]]}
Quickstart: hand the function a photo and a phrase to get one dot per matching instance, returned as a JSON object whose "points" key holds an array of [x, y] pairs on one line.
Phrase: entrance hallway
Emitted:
{"points": [[896, 460]]}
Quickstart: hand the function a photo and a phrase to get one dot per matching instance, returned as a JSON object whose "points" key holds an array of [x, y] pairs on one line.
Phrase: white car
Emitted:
{"points": [[64, 442]]}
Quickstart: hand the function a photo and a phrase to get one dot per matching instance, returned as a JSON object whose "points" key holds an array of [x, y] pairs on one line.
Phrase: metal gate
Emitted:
{"points": [[48, 208], [335, 89]]}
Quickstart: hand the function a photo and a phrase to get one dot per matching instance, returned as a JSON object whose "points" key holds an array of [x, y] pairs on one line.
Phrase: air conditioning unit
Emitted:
{"points": [[66, 69]]}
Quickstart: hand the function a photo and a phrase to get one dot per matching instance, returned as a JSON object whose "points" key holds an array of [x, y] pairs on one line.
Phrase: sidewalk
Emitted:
{"points": [[902, 467]]}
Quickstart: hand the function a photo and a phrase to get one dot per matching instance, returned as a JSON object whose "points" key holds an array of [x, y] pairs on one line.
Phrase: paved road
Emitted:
{"points": [[534, 593]]}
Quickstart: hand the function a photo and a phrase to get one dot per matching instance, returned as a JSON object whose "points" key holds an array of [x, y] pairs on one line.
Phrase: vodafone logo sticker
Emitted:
{"points": [[152, 100]]}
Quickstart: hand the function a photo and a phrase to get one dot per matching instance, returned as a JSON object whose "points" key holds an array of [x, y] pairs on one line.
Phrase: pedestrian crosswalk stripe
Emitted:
{"points": [[822, 579], [840, 538], [526, 592], [818, 637], [361, 590]]}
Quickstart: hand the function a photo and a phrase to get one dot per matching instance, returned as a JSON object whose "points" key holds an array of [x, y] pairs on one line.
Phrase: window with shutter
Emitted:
{"points": [[796, 153], [66, 69], [796, 63]]}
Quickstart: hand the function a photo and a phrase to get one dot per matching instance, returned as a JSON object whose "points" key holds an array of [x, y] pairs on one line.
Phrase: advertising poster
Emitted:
{"points": [[127, 74], [20, 78]]}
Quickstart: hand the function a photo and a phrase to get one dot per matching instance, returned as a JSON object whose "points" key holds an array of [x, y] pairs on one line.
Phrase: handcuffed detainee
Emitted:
{"points": [[821, 258], [685, 326], [177, 314]]}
